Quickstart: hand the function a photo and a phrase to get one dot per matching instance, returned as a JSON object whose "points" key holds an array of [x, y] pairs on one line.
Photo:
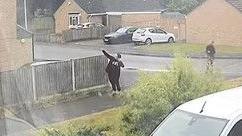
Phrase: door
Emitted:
{"points": [[128, 35], [162, 35], [153, 35]]}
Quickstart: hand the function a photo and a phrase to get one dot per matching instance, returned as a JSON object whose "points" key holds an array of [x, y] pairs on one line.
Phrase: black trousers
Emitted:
{"points": [[114, 80]]}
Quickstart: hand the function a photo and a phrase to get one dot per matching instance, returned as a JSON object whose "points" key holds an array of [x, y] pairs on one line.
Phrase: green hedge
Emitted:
{"points": [[156, 95]]}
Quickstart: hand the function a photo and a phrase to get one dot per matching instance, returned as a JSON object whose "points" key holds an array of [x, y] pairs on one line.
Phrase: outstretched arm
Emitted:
{"points": [[107, 55]]}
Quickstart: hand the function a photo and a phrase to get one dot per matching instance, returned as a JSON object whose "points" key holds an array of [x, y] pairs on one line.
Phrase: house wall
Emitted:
{"points": [[13, 53], [141, 20], [114, 22], [215, 20], [97, 19], [62, 18], [175, 26]]}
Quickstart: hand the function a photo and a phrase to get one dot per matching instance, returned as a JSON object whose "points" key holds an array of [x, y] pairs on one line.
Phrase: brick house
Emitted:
{"points": [[74, 12], [111, 13], [14, 52], [218, 20]]}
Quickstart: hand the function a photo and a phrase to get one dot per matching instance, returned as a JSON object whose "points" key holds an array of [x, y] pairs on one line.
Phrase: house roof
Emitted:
{"points": [[133, 5], [236, 3], [52, 5], [91, 6]]}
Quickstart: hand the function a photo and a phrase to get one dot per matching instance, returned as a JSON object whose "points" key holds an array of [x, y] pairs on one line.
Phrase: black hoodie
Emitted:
{"points": [[113, 67]]}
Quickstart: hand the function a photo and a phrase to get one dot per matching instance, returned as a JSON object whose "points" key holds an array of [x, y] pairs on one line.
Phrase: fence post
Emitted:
{"points": [[73, 75], [34, 84]]}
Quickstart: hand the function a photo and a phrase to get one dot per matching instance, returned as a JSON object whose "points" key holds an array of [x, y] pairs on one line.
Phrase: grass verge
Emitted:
{"points": [[190, 48]]}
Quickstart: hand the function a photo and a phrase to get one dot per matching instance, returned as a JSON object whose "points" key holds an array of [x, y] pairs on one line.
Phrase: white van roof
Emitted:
{"points": [[225, 105]]}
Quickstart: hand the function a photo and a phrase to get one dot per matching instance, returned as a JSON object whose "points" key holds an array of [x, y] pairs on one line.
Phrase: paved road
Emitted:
{"points": [[230, 67]]}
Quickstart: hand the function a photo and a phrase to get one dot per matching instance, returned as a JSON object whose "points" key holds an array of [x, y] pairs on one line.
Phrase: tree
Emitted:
{"points": [[182, 6]]}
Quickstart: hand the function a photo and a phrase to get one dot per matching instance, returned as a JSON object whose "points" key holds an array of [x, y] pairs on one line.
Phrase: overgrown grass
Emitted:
{"points": [[107, 122], [190, 48]]}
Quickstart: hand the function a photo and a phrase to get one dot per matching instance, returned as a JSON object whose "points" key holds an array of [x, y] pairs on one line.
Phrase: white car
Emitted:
{"points": [[218, 114], [79, 26], [152, 35], [92, 25]]}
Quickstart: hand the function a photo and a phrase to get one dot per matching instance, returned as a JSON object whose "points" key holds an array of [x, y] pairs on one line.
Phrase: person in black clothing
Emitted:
{"points": [[210, 50], [113, 70]]}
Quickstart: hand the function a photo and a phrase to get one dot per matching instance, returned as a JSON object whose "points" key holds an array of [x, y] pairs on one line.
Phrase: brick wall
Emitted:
{"points": [[13, 53], [62, 18], [97, 19], [140, 20], [215, 20], [114, 22]]}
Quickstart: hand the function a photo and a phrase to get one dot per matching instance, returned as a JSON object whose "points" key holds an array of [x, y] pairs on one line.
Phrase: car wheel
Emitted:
{"points": [[148, 41], [171, 40]]}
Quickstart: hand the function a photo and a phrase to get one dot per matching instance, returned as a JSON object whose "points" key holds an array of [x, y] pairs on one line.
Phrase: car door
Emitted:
{"points": [[161, 35], [128, 35], [153, 35]]}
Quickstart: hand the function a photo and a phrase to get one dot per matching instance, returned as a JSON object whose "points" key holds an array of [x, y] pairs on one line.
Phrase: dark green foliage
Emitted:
{"points": [[156, 95]]}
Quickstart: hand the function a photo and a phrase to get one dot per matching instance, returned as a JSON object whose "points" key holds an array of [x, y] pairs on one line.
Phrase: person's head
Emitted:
{"points": [[212, 42], [118, 56]]}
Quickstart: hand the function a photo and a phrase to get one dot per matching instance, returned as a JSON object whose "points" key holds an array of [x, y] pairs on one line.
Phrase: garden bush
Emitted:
{"points": [[155, 95], [73, 131]]}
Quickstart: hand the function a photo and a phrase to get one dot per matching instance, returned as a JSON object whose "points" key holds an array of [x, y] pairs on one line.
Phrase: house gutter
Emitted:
{"points": [[127, 13], [97, 14], [25, 15]]}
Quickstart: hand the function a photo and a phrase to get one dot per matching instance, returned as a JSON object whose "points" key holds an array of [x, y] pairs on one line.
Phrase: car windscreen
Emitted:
{"points": [[140, 30], [182, 123], [122, 30]]}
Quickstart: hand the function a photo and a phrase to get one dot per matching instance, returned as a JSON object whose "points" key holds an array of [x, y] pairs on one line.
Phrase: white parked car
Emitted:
{"points": [[79, 26], [218, 114], [92, 25], [152, 35]]}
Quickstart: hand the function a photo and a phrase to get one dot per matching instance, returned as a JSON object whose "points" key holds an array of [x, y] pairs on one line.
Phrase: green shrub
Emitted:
{"points": [[155, 95], [97, 130]]}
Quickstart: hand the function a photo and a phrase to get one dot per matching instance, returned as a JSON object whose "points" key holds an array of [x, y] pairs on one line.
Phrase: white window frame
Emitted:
{"points": [[74, 16]]}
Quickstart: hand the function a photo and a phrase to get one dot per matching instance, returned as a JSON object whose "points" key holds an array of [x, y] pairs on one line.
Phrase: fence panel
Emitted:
{"points": [[90, 72], [50, 79], [42, 37], [54, 78], [17, 86]]}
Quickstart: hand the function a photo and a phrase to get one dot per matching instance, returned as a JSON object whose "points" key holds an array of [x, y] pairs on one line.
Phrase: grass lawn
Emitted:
{"points": [[110, 119], [190, 48]]}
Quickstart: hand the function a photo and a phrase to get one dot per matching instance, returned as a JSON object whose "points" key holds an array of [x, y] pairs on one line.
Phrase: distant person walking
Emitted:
{"points": [[113, 70], [210, 51]]}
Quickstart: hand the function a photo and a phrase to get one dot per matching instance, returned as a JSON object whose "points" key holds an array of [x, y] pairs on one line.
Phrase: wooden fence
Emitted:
{"points": [[31, 83], [72, 35]]}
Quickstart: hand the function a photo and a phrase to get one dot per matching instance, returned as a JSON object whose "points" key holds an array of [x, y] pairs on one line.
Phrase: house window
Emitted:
{"points": [[74, 19]]}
